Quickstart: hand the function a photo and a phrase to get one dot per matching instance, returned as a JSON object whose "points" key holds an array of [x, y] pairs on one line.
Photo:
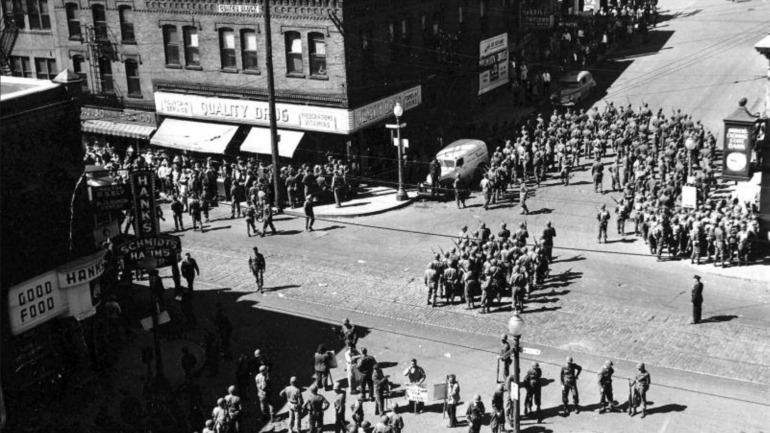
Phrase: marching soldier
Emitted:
{"points": [[604, 219], [641, 384], [532, 383], [548, 234], [697, 299], [451, 279], [606, 401], [570, 372], [315, 406]]}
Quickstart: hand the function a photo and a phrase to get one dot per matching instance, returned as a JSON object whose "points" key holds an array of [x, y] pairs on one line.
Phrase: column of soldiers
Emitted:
{"points": [[487, 267]]}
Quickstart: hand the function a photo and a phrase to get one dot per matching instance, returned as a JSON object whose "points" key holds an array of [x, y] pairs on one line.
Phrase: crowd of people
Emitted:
{"points": [[649, 161], [487, 267]]}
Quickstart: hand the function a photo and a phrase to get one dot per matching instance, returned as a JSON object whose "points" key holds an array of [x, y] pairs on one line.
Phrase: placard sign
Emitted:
{"points": [[737, 152], [416, 392], [493, 63], [145, 212], [689, 197], [35, 301]]}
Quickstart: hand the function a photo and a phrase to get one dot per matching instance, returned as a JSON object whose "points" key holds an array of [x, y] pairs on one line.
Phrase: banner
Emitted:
{"points": [[145, 211], [493, 63]]}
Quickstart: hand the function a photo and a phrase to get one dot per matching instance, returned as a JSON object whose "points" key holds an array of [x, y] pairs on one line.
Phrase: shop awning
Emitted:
{"points": [[129, 130], [258, 141], [194, 136]]}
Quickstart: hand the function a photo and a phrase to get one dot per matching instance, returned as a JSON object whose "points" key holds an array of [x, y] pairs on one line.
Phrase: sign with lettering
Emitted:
{"points": [[290, 116], [536, 18], [416, 392], [110, 197], [145, 212], [81, 271], [125, 116], [382, 109], [239, 9], [493, 63], [737, 152], [34, 302], [165, 249]]}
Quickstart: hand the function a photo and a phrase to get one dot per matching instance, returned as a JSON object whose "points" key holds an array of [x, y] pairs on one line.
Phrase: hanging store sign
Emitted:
{"points": [[127, 116], [737, 152], [145, 212], [536, 18], [110, 197], [493, 63], [79, 279], [382, 109], [34, 302], [165, 249]]}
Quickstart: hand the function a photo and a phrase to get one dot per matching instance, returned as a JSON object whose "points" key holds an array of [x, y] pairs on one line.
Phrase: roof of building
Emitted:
{"points": [[16, 87]]}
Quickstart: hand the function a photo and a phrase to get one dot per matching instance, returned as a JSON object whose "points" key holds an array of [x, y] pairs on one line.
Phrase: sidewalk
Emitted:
{"points": [[373, 200]]}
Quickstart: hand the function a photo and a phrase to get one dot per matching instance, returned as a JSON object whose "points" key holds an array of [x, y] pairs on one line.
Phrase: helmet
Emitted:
{"points": [[313, 389], [231, 389], [608, 363], [262, 368], [569, 360], [640, 366], [221, 402], [535, 364], [477, 397], [504, 337]]}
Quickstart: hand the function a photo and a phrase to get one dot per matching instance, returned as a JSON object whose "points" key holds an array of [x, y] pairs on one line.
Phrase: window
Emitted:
{"points": [[404, 30], [132, 76], [317, 48], [127, 24], [46, 68], [192, 54], [39, 18], [79, 66], [293, 53], [20, 67], [105, 77], [73, 20], [422, 22], [249, 50], [482, 9], [460, 16], [15, 8], [171, 44], [100, 21], [227, 48]]}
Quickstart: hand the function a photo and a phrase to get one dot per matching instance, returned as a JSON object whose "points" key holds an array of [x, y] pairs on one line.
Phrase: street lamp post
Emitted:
{"points": [[398, 111], [516, 327], [150, 263], [690, 144]]}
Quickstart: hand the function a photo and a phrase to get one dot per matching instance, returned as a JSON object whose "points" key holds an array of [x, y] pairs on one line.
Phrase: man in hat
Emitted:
{"points": [[189, 269], [257, 266], [234, 408], [415, 376], [315, 406], [264, 390], [293, 396], [604, 220], [475, 414], [606, 400], [570, 372], [641, 384], [697, 299]]}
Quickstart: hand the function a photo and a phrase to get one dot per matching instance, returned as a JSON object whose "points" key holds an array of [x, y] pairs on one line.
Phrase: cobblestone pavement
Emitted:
{"points": [[578, 323]]}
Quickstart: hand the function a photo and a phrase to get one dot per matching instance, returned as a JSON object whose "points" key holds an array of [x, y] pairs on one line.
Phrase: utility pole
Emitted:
{"points": [[271, 101]]}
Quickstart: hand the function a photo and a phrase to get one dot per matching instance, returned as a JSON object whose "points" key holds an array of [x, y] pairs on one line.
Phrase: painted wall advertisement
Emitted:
{"points": [[71, 290], [493, 63], [737, 152]]}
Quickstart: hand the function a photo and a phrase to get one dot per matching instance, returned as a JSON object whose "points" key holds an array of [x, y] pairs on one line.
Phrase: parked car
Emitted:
{"points": [[468, 157], [575, 86]]}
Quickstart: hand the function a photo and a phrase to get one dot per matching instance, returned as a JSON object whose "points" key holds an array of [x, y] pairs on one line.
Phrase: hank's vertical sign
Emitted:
{"points": [[145, 212]]}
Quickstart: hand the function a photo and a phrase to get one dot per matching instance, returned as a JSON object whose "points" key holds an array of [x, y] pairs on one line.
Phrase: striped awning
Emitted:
{"points": [[129, 130]]}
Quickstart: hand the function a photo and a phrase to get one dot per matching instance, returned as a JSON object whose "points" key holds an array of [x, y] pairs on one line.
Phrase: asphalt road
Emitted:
{"points": [[604, 300]]}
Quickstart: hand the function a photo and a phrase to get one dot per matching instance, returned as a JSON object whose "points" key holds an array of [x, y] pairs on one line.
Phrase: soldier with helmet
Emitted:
{"points": [[641, 385], [604, 219], [264, 389], [315, 406], [548, 234], [532, 385], [606, 400], [431, 277], [570, 372], [294, 399]]}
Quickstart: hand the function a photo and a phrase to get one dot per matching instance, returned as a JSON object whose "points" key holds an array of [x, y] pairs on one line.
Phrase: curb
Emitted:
{"points": [[332, 214]]}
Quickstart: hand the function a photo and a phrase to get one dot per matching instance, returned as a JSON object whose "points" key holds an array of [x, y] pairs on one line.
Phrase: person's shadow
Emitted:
{"points": [[720, 318], [667, 408]]}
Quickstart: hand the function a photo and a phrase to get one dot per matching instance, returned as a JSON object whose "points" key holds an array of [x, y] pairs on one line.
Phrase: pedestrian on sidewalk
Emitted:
{"points": [[396, 421], [533, 387], [415, 376], [523, 193], [189, 268], [309, 214], [497, 423], [459, 191], [177, 210], [381, 384], [606, 399], [257, 267], [453, 399], [251, 215], [475, 414], [352, 355], [267, 220], [322, 362], [641, 385], [195, 213], [238, 194], [697, 299], [604, 220], [570, 372], [365, 367]]}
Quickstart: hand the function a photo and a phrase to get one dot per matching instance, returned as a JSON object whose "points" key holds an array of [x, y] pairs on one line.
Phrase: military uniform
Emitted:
{"points": [[604, 219], [295, 401], [533, 387], [257, 266], [641, 384], [315, 406], [570, 372], [431, 281], [604, 377], [697, 300]]}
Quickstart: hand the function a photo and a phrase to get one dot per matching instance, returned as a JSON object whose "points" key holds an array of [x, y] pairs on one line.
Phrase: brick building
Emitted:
{"points": [[339, 68]]}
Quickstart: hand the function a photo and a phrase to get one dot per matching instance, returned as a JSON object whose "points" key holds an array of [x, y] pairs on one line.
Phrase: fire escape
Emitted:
{"points": [[101, 47], [8, 34]]}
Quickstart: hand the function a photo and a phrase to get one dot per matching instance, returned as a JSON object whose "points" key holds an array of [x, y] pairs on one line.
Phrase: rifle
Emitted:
{"points": [[442, 251]]}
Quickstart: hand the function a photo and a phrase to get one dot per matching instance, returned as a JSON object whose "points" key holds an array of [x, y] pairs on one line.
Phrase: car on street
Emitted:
{"points": [[467, 157], [574, 87]]}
